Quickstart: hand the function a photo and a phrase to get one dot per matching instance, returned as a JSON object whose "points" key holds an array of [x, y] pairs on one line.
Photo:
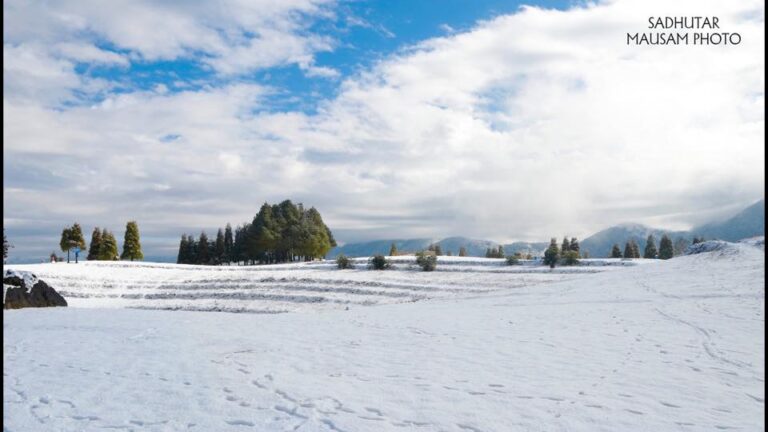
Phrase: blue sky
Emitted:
{"points": [[489, 119]]}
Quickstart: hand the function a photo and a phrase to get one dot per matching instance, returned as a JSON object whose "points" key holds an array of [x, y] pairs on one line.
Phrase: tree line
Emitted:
{"points": [[104, 246], [278, 233], [667, 249]]}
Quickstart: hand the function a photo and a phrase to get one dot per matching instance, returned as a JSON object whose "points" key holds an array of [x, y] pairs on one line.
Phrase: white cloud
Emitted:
{"points": [[529, 125]]}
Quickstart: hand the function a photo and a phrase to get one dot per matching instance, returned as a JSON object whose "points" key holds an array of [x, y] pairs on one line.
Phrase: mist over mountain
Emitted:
{"points": [[749, 222]]}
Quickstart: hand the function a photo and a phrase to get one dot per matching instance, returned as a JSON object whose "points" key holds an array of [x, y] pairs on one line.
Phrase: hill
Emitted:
{"points": [[749, 222]]}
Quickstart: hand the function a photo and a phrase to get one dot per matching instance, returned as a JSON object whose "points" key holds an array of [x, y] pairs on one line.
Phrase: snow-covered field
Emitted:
{"points": [[475, 346], [291, 287]]}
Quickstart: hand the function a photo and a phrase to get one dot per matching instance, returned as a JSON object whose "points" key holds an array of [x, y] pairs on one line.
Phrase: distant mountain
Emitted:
{"points": [[600, 243], [474, 247], [749, 222]]}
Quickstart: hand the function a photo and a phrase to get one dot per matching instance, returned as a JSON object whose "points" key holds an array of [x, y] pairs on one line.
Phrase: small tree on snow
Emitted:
{"points": [[666, 250]]}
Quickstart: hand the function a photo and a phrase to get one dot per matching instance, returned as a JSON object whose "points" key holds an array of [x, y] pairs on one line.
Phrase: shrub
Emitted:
{"points": [[513, 260], [571, 258], [427, 262], [343, 262], [378, 262]]}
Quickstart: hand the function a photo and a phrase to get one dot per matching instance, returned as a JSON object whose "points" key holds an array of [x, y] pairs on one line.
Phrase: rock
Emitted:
{"points": [[18, 295]]}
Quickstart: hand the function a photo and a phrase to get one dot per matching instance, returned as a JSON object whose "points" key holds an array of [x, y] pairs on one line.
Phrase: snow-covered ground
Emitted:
{"points": [[672, 345], [292, 287]]}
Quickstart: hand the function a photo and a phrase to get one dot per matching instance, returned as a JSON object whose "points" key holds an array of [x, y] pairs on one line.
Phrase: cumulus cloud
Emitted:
{"points": [[538, 123]]}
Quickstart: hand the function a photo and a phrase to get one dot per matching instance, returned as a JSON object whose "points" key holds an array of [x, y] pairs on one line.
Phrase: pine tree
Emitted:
{"points": [[552, 254], [182, 256], [488, 253], [108, 247], [132, 242], [575, 245], [93, 251], [462, 251], [203, 252], [697, 239], [191, 253], [628, 252], [635, 249], [438, 250], [228, 244], [219, 249], [566, 245], [650, 248], [393, 250], [615, 251], [500, 252], [666, 250]]}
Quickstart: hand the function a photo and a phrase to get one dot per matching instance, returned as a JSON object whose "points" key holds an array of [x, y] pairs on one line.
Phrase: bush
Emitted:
{"points": [[343, 262], [513, 260], [378, 262], [571, 258], [427, 262]]}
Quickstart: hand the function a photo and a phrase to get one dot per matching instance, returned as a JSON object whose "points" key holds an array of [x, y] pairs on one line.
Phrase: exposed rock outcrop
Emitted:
{"points": [[23, 289]]}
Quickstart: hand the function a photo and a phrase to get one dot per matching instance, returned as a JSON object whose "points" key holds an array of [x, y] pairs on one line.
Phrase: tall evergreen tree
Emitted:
{"points": [[615, 251], [438, 250], [566, 246], [628, 252], [635, 249], [393, 250], [666, 250], [93, 251], [488, 253], [650, 248], [203, 250], [219, 249], [132, 242], [228, 244], [462, 251], [191, 254], [500, 252], [552, 254], [574, 246], [108, 247], [182, 256]]}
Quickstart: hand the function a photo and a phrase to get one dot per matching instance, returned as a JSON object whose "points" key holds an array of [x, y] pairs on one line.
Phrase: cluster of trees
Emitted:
{"points": [[495, 252], [103, 243], [568, 253], [666, 248], [278, 233]]}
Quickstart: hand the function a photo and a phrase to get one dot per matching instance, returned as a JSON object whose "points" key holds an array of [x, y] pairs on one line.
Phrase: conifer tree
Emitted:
{"points": [[203, 251], [132, 243], [615, 251], [552, 254], [500, 252], [108, 250], [628, 251], [488, 253], [635, 249], [666, 250], [650, 248], [574, 245], [219, 249], [462, 251], [228, 244], [93, 251], [438, 250], [566, 246], [182, 256], [393, 250], [191, 254]]}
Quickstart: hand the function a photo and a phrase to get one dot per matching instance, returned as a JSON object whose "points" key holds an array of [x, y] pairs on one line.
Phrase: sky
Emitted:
{"points": [[498, 120]]}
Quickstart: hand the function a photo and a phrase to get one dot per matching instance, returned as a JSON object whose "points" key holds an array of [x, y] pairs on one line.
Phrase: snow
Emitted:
{"points": [[670, 345]]}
